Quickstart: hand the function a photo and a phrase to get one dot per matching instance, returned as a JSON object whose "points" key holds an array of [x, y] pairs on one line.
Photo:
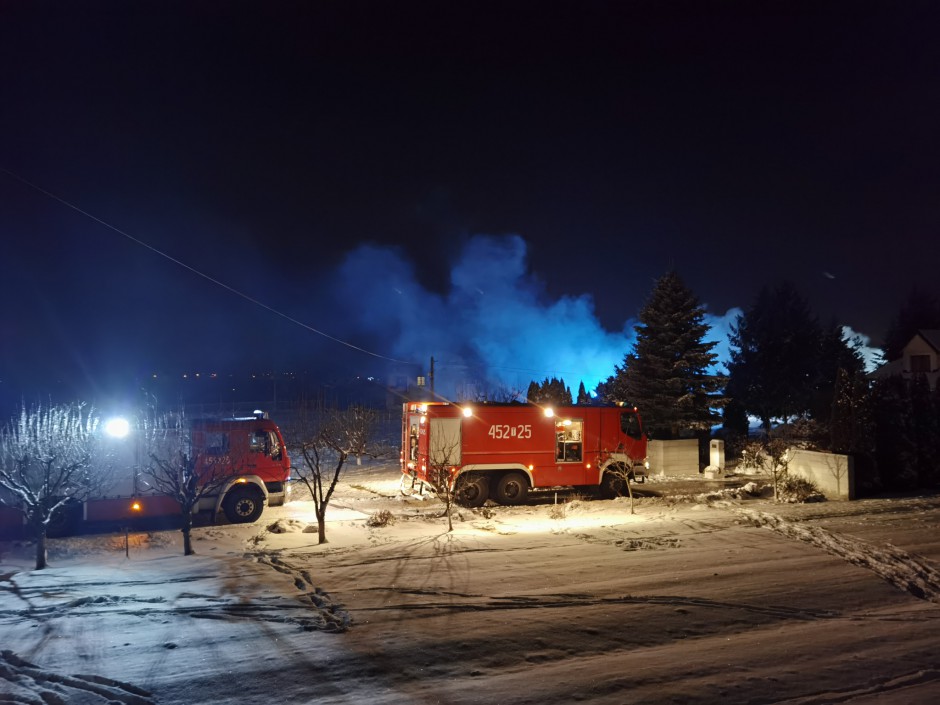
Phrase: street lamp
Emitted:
{"points": [[117, 427]]}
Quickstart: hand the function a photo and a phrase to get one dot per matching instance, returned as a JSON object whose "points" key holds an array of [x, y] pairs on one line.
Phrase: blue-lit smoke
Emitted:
{"points": [[495, 329]]}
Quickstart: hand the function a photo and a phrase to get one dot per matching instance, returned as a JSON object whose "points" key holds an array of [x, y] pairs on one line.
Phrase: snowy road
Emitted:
{"points": [[684, 603]]}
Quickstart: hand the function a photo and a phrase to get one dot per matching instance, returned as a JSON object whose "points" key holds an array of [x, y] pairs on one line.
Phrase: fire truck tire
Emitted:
{"points": [[613, 484], [472, 490], [512, 488], [243, 505]]}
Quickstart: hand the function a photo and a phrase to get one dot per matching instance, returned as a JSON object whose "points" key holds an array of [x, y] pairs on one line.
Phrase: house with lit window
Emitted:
{"points": [[921, 356]]}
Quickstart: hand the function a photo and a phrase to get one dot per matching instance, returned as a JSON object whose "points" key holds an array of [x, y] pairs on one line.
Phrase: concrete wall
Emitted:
{"points": [[833, 474], [673, 457]]}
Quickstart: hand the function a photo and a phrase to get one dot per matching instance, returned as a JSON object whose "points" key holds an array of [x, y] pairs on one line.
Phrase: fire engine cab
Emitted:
{"points": [[248, 453], [502, 451]]}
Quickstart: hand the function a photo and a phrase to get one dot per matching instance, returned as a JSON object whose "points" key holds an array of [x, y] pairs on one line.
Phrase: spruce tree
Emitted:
{"points": [[775, 356], [895, 440], [534, 392], [836, 354], [850, 426], [584, 399], [668, 375], [551, 391], [924, 430]]}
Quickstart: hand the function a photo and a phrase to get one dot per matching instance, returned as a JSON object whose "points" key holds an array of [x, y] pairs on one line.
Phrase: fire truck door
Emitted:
{"points": [[264, 453], [444, 443], [414, 423]]}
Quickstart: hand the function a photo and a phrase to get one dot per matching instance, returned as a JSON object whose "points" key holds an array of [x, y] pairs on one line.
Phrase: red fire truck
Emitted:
{"points": [[248, 453], [502, 451]]}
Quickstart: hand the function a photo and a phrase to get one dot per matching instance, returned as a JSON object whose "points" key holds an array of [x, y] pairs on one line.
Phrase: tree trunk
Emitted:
{"points": [[41, 547], [321, 524], [630, 490], [187, 529]]}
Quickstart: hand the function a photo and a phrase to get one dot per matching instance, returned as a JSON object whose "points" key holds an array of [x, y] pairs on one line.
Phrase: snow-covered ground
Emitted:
{"points": [[727, 600]]}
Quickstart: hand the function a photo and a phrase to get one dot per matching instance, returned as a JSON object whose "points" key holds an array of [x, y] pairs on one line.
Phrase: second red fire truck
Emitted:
{"points": [[502, 451]]}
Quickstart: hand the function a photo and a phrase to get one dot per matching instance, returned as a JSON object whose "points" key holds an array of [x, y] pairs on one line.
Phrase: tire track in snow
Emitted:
{"points": [[479, 603], [879, 686], [909, 572]]}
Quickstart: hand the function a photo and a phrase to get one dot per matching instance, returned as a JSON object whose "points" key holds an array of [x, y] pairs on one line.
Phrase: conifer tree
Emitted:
{"points": [[534, 392], [836, 354], [850, 428], [895, 441], [668, 375], [584, 399], [776, 348], [551, 391], [924, 429]]}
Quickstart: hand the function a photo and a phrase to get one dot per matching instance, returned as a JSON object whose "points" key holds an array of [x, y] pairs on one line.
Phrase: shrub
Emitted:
{"points": [[793, 488], [380, 518]]}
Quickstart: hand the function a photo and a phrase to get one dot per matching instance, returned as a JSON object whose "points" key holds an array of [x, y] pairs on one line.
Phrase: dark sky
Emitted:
{"points": [[263, 144]]}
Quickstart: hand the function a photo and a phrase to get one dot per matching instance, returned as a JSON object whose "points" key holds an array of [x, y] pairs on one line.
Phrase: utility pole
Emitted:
{"points": [[431, 377]]}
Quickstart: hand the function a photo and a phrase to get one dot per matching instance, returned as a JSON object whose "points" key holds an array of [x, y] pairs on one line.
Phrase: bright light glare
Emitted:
{"points": [[549, 412], [468, 412], [118, 427]]}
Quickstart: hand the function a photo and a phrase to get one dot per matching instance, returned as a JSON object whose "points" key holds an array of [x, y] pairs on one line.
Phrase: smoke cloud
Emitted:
{"points": [[493, 330]]}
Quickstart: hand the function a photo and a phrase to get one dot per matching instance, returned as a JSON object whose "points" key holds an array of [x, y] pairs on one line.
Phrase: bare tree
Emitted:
{"points": [[443, 458], [771, 455], [46, 463], [838, 466], [617, 478], [324, 439], [172, 469]]}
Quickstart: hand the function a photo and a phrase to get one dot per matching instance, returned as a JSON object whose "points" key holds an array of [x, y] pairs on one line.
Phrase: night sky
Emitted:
{"points": [[497, 185]]}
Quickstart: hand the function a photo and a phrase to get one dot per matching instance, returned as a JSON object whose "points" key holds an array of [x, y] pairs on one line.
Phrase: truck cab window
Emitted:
{"points": [[568, 436], [257, 442], [630, 425], [216, 443], [274, 446]]}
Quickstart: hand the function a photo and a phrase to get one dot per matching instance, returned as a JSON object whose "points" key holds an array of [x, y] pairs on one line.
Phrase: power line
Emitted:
{"points": [[245, 296], [205, 276]]}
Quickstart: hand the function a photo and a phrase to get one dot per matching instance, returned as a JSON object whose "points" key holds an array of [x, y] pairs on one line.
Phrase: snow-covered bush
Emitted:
{"points": [[794, 489]]}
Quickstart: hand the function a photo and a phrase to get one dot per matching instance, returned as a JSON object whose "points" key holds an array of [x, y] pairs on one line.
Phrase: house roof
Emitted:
{"points": [[932, 336], [895, 367]]}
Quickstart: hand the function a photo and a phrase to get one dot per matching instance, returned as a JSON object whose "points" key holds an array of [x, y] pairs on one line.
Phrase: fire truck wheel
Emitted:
{"points": [[243, 505], [513, 488], [613, 484], [472, 490]]}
